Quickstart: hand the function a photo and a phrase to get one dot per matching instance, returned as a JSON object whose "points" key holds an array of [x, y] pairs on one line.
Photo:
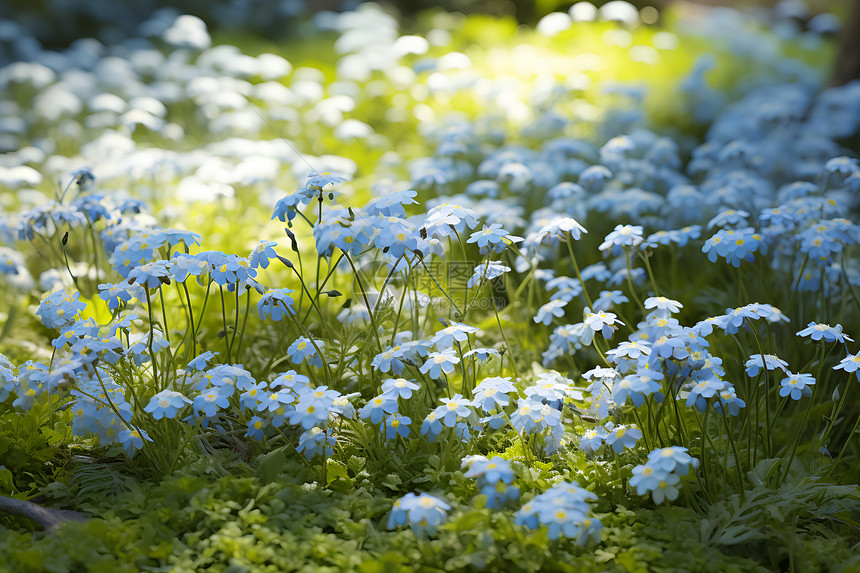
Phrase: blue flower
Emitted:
{"points": [[817, 331], [122, 292], [166, 404], [185, 265], [493, 238], [313, 408], [399, 388], [620, 437], [431, 426], [256, 428], [600, 321], [529, 411], [314, 440], [664, 304], [60, 309], [771, 362], [729, 217], [490, 470], [209, 401], [424, 513], [396, 425], [564, 509], [275, 303], [151, 275], [609, 298], [453, 409], [445, 219], [672, 459], [796, 385], [593, 439], [389, 360], [253, 395], [132, 439], [728, 398], [563, 228], [322, 182], [634, 386], [704, 390], [850, 363], [302, 348], [456, 332], [487, 271], [440, 362], [623, 237], [262, 254], [378, 407], [492, 393], [201, 362], [554, 308]]}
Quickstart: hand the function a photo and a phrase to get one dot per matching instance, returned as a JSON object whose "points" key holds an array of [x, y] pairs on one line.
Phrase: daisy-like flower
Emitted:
{"points": [[256, 428], [728, 399], [818, 331], [592, 440], [564, 509], [493, 238], [314, 441], [850, 363], [490, 470], [439, 362], [389, 360], [423, 513], [60, 308], [399, 388], [201, 362], [209, 401], [303, 349], [453, 409], [132, 439], [646, 478], [623, 237], [275, 303], [703, 391], [770, 361], [672, 459], [620, 437], [560, 230], [493, 393], [663, 303], [378, 407], [487, 271], [635, 387], [481, 354], [262, 254], [554, 308], [796, 385], [666, 488], [609, 298], [151, 275], [396, 425], [166, 404], [443, 220], [445, 338], [600, 321]]}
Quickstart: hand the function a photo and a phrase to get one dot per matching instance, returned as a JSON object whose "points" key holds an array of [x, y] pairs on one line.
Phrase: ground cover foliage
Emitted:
{"points": [[445, 294]]}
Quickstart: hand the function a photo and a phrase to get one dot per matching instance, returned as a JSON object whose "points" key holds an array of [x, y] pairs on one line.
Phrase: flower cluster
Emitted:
{"points": [[662, 473], [565, 511]]}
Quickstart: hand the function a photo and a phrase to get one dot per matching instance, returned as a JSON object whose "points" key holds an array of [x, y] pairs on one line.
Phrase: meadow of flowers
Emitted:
{"points": [[449, 294]]}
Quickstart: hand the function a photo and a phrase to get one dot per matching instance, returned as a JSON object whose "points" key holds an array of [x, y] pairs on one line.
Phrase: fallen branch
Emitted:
{"points": [[44, 516]]}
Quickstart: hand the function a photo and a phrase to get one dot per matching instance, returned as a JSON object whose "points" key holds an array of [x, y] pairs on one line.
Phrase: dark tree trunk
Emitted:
{"points": [[848, 60]]}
